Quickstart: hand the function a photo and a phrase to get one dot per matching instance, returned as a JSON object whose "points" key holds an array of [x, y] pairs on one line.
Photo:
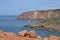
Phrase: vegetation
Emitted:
{"points": [[51, 23]]}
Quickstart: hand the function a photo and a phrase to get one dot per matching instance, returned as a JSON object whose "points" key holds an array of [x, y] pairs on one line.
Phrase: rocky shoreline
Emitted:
{"points": [[24, 35]]}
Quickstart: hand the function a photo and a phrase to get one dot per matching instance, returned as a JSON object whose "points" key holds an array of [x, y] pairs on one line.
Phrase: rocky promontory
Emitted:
{"points": [[24, 35], [52, 24], [39, 14]]}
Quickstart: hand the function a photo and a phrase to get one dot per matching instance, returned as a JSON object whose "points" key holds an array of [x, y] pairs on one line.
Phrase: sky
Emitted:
{"points": [[16, 7]]}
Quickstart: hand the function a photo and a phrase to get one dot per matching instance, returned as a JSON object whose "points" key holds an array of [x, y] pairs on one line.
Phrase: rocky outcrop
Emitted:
{"points": [[24, 35], [52, 24], [35, 15], [32, 33]]}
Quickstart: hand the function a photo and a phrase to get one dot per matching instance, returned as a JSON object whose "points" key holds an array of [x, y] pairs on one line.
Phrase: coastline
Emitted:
{"points": [[24, 35]]}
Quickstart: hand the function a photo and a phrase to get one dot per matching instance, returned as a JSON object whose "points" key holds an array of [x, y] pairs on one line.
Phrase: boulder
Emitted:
{"points": [[39, 37], [46, 38], [32, 34], [52, 37], [12, 36], [1, 31], [22, 33], [4, 36], [27, 35]]}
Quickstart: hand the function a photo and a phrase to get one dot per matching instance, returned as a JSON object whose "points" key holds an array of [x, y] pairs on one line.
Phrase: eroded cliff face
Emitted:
{"points": [[44, 14]]}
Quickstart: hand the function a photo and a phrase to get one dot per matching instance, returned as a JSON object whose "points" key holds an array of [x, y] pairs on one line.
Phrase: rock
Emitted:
{"points": [[58, 38], [52, 37], [3, 34], [1, 31], [22, 33], [12, 36], [46, 38], [39, 14], [32, 34], [39, 37], [26, 36]]}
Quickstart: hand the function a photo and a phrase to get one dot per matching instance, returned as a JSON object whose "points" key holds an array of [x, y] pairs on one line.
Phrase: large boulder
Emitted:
{"points": [[22, 33], [39, 37], [32, 34]]}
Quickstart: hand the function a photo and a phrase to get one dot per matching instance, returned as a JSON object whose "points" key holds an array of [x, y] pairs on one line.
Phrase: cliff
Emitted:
{"points": [[39, 14], [24, 35]]}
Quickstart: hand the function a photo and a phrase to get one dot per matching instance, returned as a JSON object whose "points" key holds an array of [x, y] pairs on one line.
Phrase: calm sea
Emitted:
{"points": [[9, 23]]}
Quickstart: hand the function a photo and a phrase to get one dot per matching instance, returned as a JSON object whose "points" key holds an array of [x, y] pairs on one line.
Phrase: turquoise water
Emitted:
{"points": [[10, 24]]}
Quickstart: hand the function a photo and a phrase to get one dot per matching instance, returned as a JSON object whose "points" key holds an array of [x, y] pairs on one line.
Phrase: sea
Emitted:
{"points": [[9, 23]]}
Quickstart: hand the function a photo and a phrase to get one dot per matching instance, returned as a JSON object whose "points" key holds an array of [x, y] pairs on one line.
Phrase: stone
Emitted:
{"points": [[22, 33], [39, 37], [32, 34], [27, 36], [1, 31], [52, 37], [12, 36], [46, 38]]}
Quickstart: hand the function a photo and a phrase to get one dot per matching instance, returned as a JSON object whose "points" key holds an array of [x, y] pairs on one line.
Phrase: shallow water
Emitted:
{"points": [[9, 23]]}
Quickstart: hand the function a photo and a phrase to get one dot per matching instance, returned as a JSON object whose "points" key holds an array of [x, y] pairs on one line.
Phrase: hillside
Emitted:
{"points": [[50, 24], [39, 14]]}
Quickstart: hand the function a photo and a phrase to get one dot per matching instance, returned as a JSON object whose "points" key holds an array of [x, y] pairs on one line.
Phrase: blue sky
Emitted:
{"points": [[16, 7]]}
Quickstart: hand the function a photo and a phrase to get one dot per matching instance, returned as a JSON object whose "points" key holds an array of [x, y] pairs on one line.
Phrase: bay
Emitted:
{"points": [[9, 23]]}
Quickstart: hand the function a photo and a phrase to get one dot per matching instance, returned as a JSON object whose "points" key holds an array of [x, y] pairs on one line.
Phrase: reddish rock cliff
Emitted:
{"points": [[44, 14]]}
